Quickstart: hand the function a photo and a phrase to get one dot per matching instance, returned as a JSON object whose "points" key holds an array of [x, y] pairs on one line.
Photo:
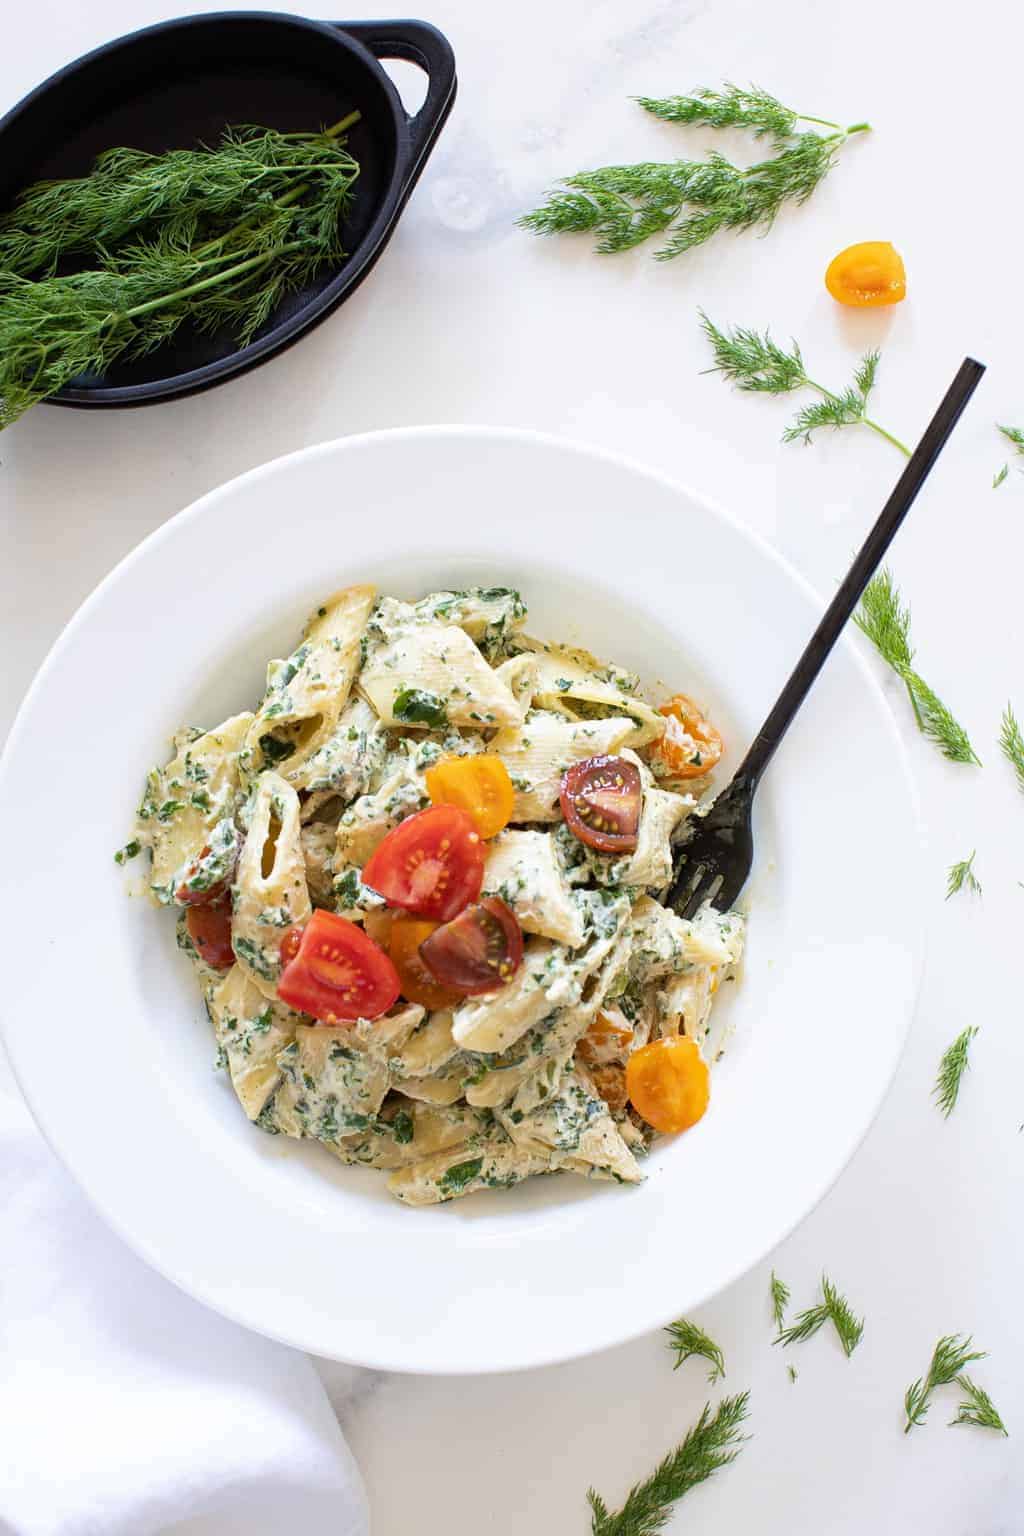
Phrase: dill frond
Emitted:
{"points": [[951, 1354], [753, 361], [1000, 476], [833, 1308], [1015, 436], [712, 1443], [961, 875], [688, 1340], [978, 1408], [792, 1372], [693, 200], [780, 1300], [884, 620], [1011, 742], [954, 1063]]}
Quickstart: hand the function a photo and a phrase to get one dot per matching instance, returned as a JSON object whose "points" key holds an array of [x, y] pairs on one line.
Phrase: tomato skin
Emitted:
{"points": [[601, 800], [419, 985], [431, 864], [339, 974], [668, 1083], [478, 784], [477, 951], [209, 928], [291, 943]]}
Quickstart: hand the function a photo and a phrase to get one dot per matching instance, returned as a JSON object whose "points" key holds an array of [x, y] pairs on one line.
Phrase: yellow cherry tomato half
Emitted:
{"points": [[418, 984], [668, 1083], [690, 746], [479, 785], [867, 275]]}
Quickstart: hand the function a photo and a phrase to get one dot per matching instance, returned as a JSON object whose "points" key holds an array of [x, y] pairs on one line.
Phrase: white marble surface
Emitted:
{"points": [[468, 320]]}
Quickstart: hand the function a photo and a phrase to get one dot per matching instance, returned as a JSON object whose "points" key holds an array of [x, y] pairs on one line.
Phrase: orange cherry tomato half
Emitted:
{"points": [[339, 973], [419, 985], [867, 275], [209, 928], [431, 864], [601, 798], [604, 1042], [480, 950], [668, 1083], [690, 746], [479, 785]]}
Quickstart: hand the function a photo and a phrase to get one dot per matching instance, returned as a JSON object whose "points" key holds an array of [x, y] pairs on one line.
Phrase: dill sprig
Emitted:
{"points": [[692, 200], [712, 1443], [688, 1340], [780, 1300], [954, 1063], [834, 1309], [753, 361], [1011, 742], [962, 875], [792, 1372], [949, 1357], [1000, 476], [177, 262], [885, 620], [1014, 435], [978, 1408]]}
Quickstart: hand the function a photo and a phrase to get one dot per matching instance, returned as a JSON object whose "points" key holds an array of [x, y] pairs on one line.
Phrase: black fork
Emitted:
{"points": [[714, 862]]}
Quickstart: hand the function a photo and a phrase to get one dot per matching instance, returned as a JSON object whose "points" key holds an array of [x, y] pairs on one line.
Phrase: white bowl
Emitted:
{"points": [[102, 1018]]}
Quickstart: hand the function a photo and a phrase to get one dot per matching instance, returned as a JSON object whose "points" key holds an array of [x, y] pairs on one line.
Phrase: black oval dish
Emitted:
{"points": [[182, 82]]}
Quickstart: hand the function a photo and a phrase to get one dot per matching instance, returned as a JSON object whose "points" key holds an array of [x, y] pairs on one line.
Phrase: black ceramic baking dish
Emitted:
{"points": [[180, 83]]}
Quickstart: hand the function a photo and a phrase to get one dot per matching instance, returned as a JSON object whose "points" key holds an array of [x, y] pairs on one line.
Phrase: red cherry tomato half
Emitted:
{"points": [[339, 973], [187, 893], [431, 863], [209, 928], [601, 803], [479, 950]]}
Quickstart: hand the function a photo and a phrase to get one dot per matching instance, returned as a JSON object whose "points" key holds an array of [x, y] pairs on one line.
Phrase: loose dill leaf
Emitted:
{"points": [[693, 200], [833, 1308], [954, 1063], [1000, 476], [200, 265], [753, 361], [951, 1354], [884, 620], [792, 1372], [712, 1443], [978, 1409], [780, 1300], [687, 1340], [961, 875], [1014, 435], [1011, 742]]}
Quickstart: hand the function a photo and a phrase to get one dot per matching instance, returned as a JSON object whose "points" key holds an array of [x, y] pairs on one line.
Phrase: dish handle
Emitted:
{"points": [[422, 44]]}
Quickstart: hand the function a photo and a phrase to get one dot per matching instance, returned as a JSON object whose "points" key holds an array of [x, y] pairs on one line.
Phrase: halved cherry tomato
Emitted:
{"points": [[479, 785], [668, 1083], [690, 746], [867, 275], [378, 926], [419, 985], [610, 1083], [601, 803], [480, 950], [209, 928], [604, 1042], [432, 863], [339, 973], [291, 943]]}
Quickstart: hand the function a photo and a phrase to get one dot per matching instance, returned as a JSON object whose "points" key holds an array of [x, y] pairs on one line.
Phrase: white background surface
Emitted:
{"points": [[467, 319]]}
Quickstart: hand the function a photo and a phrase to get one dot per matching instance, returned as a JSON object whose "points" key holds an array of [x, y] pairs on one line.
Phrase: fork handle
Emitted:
{"points": [[860, 573]]}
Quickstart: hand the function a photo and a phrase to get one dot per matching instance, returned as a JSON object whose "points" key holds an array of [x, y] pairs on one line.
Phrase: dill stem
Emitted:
{"points": [[205, 283], [913, 703], [887, 435]]}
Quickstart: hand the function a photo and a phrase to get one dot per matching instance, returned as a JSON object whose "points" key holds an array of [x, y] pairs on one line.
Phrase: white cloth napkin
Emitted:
{"points": [[127, 1409]]}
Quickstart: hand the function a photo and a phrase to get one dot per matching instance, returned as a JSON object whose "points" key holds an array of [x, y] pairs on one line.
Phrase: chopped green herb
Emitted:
{"points": [[954, 1064], [1000, 476], [1011, 742], [835, 1309], [949, 1357], [460, 1174], [274, 749], [402, 1127], [129, 851], [962, 875], [418, 706], [780, 1300], [978, 1408], [688, 1340], [712, 1443]]}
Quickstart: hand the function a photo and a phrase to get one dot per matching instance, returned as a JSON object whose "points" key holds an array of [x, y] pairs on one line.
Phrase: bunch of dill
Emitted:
{"points": [[213, 237]]}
